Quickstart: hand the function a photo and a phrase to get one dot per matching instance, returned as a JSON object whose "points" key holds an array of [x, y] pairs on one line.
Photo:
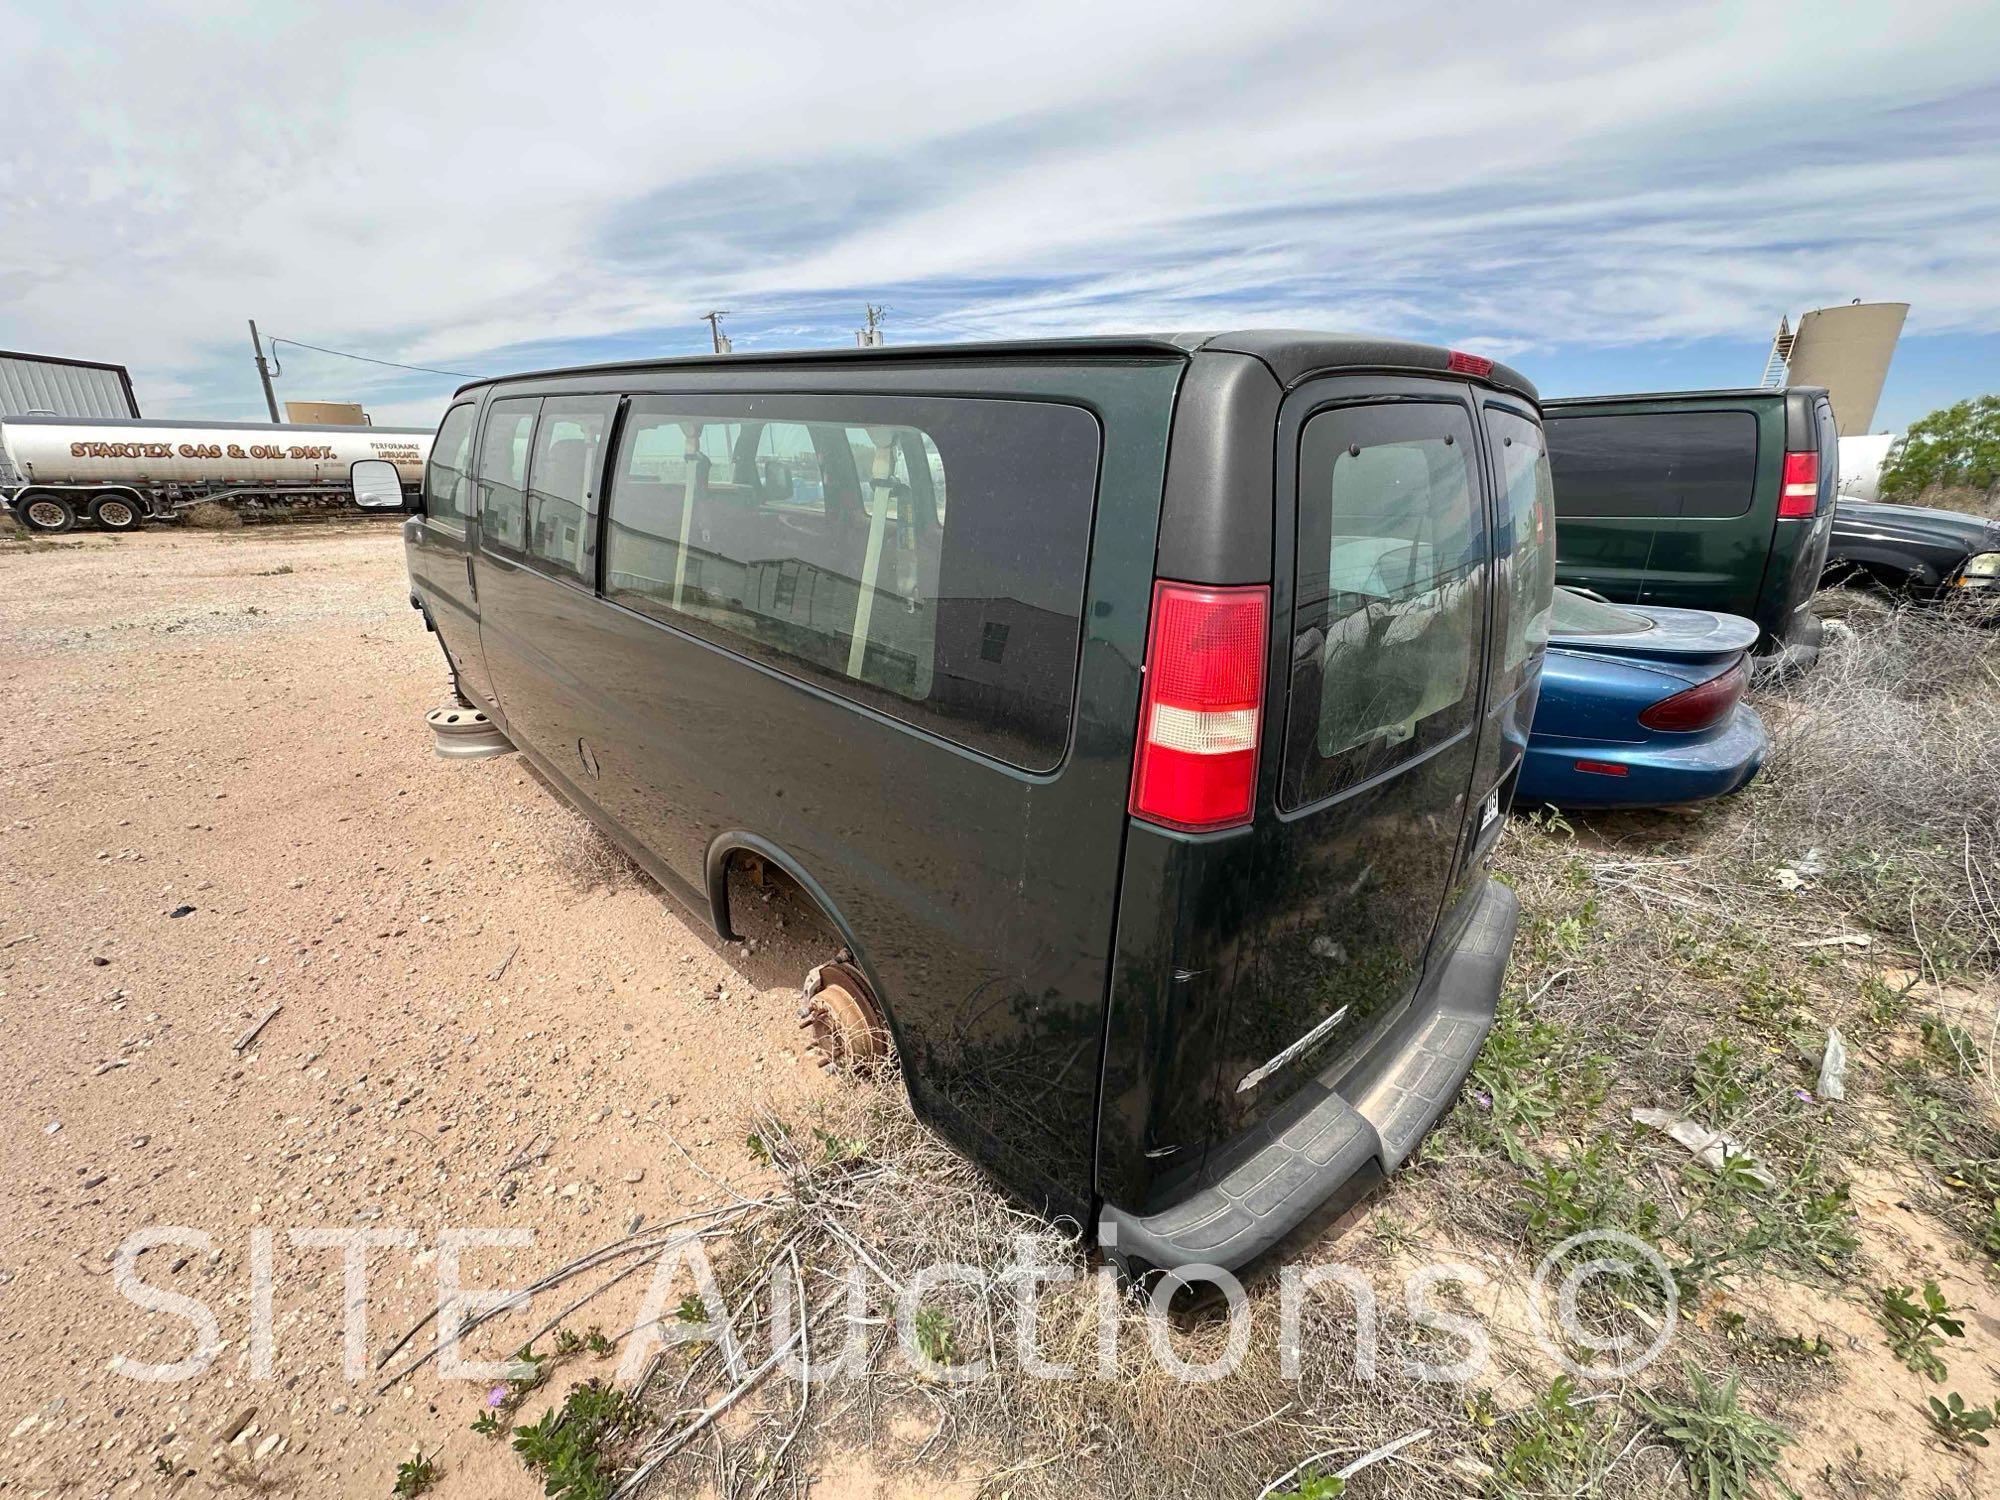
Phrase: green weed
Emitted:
{"points": [[1950, 1044], [1989, 1231], [1313, 1485], [567, 1447], [1592, 1192], [1961, 1425], [1551, 1443], [1729, 1452], [937, 1336], [1717, 1083], [1918, 1329], [416, 1476]]}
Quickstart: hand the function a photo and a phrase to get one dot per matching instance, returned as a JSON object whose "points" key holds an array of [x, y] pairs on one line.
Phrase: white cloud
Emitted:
{"points": [[443, 186]]}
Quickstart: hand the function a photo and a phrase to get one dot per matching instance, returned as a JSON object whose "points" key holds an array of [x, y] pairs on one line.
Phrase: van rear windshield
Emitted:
{"points": [[1389, 613], [924, 556], [1697, 464]]}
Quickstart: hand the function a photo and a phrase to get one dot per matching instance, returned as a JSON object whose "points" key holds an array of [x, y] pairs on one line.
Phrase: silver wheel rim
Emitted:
{"points": [[45, 513], [115, 513]]}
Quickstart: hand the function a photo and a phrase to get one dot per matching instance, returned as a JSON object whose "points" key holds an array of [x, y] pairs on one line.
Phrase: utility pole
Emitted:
{"points": [[263, 370], [715, 334], [871, 336]]}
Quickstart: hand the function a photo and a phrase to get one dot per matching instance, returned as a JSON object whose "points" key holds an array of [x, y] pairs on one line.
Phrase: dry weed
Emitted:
{"points": [[1886, 760]]}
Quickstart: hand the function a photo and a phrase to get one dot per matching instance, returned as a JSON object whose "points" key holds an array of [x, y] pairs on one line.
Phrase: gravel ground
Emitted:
{"points": [[488, 1022]]}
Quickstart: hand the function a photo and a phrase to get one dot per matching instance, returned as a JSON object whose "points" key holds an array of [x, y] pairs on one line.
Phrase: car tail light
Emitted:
{"points": [[1462, 363], [1800, 496], [1700, 706], [1197, 761]]}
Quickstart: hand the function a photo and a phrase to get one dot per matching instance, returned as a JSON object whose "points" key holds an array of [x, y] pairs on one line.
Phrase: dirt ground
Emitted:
{"points": [[217, 797]]}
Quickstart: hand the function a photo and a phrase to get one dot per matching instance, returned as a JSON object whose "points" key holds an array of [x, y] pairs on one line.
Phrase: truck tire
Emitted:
{"points": [[115, 512], [46, 513]]}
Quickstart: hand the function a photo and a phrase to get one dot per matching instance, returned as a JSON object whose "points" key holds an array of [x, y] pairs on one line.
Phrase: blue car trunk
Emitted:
{"points": [[1640, 707]]}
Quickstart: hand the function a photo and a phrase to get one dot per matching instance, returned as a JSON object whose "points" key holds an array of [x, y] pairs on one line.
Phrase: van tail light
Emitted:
{"points": [[1197, 762], [1800, 496], [1461, 363], [1700, 706]]}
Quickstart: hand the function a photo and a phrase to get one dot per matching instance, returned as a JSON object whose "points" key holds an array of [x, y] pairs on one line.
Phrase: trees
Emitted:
{"points": [[1958, 446]]}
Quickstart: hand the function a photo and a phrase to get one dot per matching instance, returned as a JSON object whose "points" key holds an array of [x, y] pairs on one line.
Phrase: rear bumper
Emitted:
{"points": [[1326, 1139], [1658, 773]]}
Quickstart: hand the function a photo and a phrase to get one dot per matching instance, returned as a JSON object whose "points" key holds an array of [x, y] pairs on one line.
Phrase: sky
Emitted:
{"points": [[1609, 198]]}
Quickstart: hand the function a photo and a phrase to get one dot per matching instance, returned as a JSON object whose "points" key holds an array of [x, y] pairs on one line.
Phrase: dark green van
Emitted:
{"points": [[1135, 717], [1714, 500]]}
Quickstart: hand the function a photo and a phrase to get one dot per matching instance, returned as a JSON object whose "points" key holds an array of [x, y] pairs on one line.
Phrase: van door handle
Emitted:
{"points": [[471, 583]]}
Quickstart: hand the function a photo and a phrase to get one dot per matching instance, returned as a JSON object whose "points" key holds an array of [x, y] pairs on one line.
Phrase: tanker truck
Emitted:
{"points": [[119, 473]]}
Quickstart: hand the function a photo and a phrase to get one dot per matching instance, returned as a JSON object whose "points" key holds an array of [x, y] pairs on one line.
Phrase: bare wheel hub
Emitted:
{"points": [[846, 1027]]}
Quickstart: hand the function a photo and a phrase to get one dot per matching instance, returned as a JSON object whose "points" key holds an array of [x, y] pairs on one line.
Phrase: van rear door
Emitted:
{"points": [[1382, 581]]}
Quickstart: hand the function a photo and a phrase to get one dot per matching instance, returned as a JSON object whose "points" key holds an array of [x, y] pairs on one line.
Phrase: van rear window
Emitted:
{"points": [[1697, 464], [923, 556], [1390, 608]]}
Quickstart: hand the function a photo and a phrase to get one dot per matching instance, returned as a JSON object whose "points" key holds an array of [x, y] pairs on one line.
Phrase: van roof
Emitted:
{"points": [[1291, 354], [1737, 392]]}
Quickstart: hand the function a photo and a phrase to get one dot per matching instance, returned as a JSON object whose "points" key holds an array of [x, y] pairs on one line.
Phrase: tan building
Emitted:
{"points": [[327, 414], [1847, 350]]}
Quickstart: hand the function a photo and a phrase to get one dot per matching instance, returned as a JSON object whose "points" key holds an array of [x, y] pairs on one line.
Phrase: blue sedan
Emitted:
{"points": [[1641, 707]]}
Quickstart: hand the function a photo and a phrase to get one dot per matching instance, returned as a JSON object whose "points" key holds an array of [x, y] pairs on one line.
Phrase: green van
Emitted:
{"points": [[1134, 718], [1714, 500]]}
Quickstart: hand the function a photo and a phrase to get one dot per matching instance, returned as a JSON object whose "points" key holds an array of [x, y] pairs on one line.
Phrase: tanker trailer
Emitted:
{"points": [[119, 473]]}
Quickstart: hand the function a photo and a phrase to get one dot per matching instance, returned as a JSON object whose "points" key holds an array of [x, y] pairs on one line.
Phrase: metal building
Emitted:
{"points": [[43, 385]]}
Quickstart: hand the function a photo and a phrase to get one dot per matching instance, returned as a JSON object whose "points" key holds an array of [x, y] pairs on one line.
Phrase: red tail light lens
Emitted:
{"points": [[1800, 496], [1462, 363], [1603, 768], [1700, 706], [1197, 761]]}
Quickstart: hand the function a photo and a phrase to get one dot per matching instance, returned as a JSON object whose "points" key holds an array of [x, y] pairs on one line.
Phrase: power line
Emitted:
{"points": [[367, 359]]}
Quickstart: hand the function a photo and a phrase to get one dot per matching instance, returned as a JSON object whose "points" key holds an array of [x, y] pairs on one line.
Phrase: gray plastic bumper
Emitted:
{"points": [[1282, 1170]]}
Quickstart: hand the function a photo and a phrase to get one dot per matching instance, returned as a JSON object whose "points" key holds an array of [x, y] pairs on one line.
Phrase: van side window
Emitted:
{"points": [[1527, 541], [809, 533], [1698, 464], [1390, 603], [448, 480], [562, 475], [503, 473]]}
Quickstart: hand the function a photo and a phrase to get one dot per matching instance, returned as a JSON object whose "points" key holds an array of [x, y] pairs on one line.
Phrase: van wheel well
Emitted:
{"points": [[788, 928]]}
